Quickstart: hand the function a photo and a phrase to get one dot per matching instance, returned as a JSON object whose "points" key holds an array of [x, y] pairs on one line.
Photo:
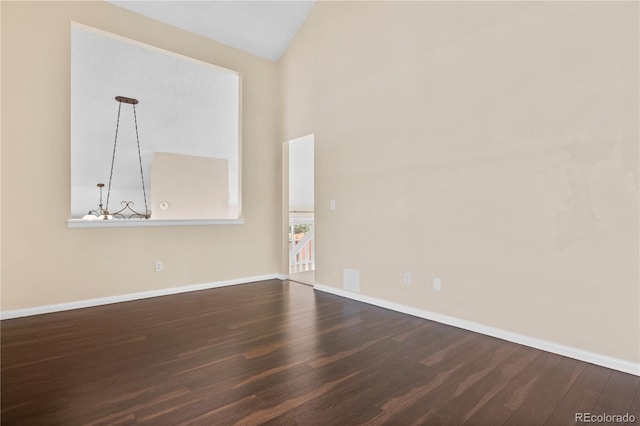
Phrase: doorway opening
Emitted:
{"points": [[301, 210]]}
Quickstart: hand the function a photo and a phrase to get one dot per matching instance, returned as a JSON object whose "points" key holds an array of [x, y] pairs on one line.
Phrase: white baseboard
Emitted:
{"points": [[283, 277], [17, 313], [568, 351]]}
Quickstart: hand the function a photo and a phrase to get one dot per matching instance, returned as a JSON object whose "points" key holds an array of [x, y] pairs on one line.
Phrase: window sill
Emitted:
{"points": [[145, 223]]}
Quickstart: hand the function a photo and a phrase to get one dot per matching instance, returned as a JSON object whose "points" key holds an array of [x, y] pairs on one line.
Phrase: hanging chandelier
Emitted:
{"points": [[127, 211]]}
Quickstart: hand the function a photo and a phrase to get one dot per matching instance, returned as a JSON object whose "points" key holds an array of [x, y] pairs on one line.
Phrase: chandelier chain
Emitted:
{"points": [[113, 159], [144, 192]]}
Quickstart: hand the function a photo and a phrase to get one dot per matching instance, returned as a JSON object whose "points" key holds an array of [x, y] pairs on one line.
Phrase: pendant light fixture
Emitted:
{"points": [[127, 211]]}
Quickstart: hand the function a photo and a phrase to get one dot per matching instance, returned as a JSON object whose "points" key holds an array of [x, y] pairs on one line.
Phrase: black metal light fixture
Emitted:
{"points": [[127, 211]]}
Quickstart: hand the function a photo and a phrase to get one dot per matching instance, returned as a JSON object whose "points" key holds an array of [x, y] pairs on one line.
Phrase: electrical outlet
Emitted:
{"points": [[437, 284], [407, 278], [351, 280], [159, 266]]}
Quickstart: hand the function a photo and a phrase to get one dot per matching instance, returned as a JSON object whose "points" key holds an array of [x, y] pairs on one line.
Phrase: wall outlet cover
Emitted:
{"points": [[351, 280], [437, 284]]}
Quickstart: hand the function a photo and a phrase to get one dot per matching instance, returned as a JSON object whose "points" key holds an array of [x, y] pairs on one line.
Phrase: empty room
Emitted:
{"points": [[465, 249]]}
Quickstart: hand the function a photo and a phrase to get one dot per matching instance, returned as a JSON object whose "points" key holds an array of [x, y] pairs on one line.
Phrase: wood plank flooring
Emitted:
{"points": [[279, 353]]}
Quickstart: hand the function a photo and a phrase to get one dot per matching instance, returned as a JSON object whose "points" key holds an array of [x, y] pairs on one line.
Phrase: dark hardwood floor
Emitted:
{"points": [[279, 353]]}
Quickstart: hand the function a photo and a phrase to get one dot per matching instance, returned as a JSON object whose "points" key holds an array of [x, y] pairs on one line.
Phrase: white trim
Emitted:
{"points": [[17, 313], [568, 351], [134, 223], [283, 277]]}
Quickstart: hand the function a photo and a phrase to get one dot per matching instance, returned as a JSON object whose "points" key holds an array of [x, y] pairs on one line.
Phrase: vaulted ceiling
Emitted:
{"points": [[262, 28]]}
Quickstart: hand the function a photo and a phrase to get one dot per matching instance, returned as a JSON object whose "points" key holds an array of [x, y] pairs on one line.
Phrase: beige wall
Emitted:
{"points": [[45, 263], [491, 144], [192, 187]]}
